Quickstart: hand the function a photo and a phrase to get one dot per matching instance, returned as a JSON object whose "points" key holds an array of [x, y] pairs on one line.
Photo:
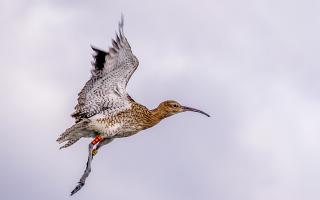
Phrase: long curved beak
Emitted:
{"points": [[185, 108]]}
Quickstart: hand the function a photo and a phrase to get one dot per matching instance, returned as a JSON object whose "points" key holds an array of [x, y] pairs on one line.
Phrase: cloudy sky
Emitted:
{"points": [[253, 65]]}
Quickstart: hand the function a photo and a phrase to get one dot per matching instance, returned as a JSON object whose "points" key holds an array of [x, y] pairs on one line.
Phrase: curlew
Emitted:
{"points": [[105, 110]]}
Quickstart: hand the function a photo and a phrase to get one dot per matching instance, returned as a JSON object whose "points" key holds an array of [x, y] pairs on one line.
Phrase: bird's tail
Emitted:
{"points": [[73, 134]]}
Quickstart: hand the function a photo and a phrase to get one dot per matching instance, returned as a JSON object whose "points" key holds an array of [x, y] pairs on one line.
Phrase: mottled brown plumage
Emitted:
{"points": [[105, 110]]}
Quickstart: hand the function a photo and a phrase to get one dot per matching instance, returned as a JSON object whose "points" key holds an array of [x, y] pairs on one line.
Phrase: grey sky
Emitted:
{"points": [[253, 65]]}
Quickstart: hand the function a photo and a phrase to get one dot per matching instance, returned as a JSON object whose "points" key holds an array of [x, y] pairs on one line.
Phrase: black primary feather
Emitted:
{"points": [[99, 58]]}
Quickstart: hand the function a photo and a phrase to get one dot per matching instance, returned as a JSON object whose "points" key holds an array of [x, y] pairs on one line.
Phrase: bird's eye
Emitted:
{"points": [[175, 105]]}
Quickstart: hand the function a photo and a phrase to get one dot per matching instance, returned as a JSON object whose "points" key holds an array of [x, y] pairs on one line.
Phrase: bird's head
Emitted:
{"points": [[170, 107]]}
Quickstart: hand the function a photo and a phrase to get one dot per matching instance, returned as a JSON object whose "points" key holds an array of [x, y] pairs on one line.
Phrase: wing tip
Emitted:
{"points": [[97, 50], [121, 20], [121, 24]]}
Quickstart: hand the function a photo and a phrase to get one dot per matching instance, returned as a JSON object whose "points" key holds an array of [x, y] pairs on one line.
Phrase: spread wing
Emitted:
{"points": [[106, 90]]}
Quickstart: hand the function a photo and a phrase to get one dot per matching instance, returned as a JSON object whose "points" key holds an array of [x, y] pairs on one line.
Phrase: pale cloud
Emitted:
{"points": [[252, 65]]}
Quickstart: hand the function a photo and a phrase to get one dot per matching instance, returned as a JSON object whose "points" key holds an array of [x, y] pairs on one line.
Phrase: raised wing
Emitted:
{"points": [[106, 89]]}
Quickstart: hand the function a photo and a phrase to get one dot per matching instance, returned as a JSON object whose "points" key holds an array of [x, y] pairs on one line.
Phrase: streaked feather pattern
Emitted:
{"points": [[106, 90]]}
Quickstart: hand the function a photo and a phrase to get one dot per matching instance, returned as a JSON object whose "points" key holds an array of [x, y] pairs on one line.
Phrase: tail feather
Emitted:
{"points": [[73, 134]]}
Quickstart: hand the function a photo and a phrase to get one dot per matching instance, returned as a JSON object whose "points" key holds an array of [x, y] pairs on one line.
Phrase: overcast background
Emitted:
{"points": [[252, 64]]}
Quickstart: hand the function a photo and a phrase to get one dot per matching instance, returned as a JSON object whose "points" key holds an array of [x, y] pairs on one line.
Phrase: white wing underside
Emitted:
{"points": [[105, 92]]}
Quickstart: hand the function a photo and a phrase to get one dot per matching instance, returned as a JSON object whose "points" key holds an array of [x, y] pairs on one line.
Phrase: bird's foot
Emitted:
{"points": [[94, 152], [77, 188]]}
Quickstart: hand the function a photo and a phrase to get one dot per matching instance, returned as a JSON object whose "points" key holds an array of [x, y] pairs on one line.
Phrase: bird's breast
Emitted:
{"points": [[123, 124], [113, 127]]}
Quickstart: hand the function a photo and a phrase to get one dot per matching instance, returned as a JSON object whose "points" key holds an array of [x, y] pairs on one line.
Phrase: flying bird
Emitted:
{"points": [[105, 110]]}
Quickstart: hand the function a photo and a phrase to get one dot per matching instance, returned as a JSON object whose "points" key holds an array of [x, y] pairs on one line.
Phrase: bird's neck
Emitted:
{"points": [[158, 114]]}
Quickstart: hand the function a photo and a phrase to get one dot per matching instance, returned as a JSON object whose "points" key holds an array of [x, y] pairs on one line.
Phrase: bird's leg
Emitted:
{"points": [[87, 171], [100, 144]]}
